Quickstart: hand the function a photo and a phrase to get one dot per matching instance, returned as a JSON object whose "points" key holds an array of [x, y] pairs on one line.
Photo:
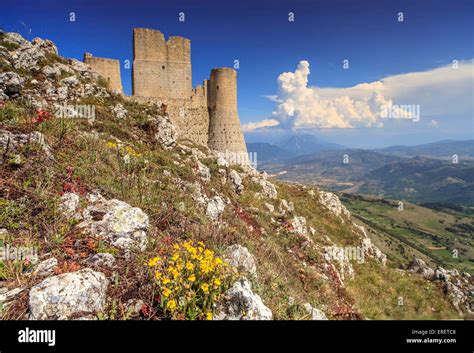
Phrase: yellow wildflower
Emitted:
{"points": [[166, 292], [175, 273], [158, 275], [154, 261], [192, 278], [175, 257], [171, 304], [189, 266], [209, 315], [217, 282], [166, 280], [205, 288]]}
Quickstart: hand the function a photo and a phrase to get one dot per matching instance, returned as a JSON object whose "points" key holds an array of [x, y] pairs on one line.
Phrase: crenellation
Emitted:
{"points": [[161, 68]]}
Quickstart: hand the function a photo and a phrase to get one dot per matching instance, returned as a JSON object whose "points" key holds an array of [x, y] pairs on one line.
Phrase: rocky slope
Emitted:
{"points": [[121, 219]]}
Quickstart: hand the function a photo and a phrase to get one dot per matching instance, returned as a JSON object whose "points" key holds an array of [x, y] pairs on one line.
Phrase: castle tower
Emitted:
{"points": [[108, 69], [161, 69], [225, 134]]}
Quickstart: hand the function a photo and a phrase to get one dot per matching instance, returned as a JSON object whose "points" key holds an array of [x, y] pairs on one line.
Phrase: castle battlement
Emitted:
{"points": [[161, 68], [206, 114]]}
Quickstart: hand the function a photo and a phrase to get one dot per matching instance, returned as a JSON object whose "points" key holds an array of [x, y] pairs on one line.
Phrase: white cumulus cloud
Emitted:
{"points": [[260, 125], [410, 96]]}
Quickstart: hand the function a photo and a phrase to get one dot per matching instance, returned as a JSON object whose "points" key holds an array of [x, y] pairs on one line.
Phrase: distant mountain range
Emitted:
{"points": [[446, 148], [421, 174], [291, 147]]}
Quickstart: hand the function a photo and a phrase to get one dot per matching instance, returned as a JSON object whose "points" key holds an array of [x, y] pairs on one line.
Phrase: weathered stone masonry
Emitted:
{"points": [[205, 115], [107, 68]]}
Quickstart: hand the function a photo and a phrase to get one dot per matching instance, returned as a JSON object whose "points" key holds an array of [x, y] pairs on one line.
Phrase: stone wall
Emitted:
{"points": [[109, 69], [161, 69], [191, 116]]}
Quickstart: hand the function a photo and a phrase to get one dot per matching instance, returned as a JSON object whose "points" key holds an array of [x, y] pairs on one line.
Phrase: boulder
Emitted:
{"points": [[59, 297], [420, 267], [203, 171], [69, 205], [119, 111], [236, 181], [268, 189], [299, 225], [239, 257], [45, 44], [15, 141], [372, 251], [240, 303], [286, 207], [28, 58], [333, 204], [314, 313], [10, 83], [102, 260], [15, 38], [70, 81], [165, 132], [51, 71], [270, 208], [222, 162], [116, 222], [215, 207], [46, 267]]}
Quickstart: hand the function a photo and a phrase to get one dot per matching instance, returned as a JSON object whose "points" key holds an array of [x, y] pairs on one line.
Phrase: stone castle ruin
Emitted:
{"points": [[109, 69], [206, 115]]}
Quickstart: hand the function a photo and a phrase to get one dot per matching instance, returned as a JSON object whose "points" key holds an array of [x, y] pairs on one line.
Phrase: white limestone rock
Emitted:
{"points": [[236, 181], [240, 303], [45, 44], [15, 141], [215, 208], [203, 171], [117, 222], [59, 297], [166, 133], [268, 189], [119, 111], [11, 83], [222, 162], [239, 257], [46, 267], [333, 204], [420, 267], [314, 313], [286, 207], [70, 81], [299, 225], [269, 207], [69, 205], [102, 260]]}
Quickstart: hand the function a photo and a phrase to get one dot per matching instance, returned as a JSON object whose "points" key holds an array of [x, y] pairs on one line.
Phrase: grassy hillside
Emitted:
{"points": [[121, 158], [435, 235]]}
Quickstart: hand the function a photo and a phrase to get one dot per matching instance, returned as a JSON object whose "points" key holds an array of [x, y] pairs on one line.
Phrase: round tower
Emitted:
{"points": [[225, 134]]}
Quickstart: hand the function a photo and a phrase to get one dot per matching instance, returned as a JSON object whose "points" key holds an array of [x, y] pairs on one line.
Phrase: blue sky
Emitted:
{"points": [[259, 35]]}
